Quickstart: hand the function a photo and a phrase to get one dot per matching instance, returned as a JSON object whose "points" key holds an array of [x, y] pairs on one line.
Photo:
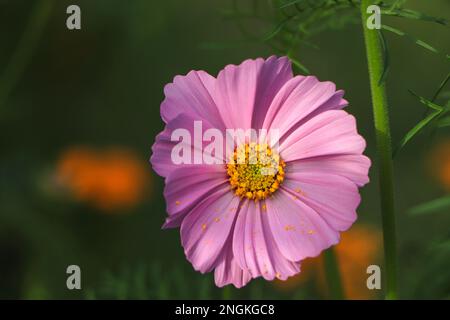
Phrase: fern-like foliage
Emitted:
{"points": [[438, 117], [284, 25]]}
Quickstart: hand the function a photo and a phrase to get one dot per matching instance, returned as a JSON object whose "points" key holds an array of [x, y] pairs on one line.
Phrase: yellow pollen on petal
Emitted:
{"points": [[203, 226], [255, 171], [300, 191], [289, 228], [177, 202]]}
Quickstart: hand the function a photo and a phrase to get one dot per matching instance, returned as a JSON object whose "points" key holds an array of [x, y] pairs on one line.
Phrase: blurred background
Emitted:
{"points": [[79, 111]]}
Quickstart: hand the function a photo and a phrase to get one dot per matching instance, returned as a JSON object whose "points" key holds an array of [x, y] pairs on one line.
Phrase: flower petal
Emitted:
{"points": [[229, 272], [254, 247], [163, 147], [191, 94], [351, 166], [300, 99], [207, 226], [185, 187], [333, 197], [244, 92], [298, 230], [329, 133]]}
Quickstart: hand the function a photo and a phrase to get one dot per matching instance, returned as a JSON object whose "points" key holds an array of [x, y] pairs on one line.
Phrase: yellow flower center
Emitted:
{"points": [[255, 171]]}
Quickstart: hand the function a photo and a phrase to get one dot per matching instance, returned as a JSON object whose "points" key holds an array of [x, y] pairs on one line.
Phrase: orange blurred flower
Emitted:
{"points": [[440, 163], [109, 179], [359, 247]]}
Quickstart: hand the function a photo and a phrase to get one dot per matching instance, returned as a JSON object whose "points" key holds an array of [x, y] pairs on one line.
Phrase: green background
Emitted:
{"points": [[102, 86]]}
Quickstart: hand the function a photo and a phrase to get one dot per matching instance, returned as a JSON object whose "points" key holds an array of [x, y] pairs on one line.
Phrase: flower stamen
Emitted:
{"points": [[255, 171]]}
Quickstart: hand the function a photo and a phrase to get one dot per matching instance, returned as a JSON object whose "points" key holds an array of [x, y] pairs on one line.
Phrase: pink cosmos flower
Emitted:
{"points": [[233, 219]]}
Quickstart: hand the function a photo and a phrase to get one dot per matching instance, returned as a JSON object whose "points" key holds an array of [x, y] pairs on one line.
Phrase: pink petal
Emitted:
{"points": [[191, 94], [244, 92], [228, 271], [161, 159], [206, 228], [298, 230], [333, 197], [185, 187], [254, 247], [300, 99], [350, 166], [329, 133]]}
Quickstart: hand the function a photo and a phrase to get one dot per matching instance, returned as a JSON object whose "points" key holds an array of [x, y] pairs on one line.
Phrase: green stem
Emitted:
{"points": [[25, 48], [332, 274], [383, 138]]}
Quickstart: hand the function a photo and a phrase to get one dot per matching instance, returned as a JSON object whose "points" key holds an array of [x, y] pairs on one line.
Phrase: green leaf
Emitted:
{"points": [[297, 63], [437, 110], [414, 15], [277, 28], [415, 130], [317, 3], [419, 42], [288, 4], [441, 86], [432, 206], [385, 58], [396, 4], [427, 102]]}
